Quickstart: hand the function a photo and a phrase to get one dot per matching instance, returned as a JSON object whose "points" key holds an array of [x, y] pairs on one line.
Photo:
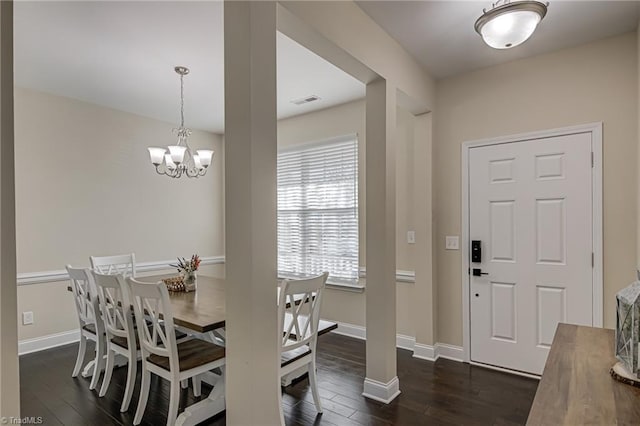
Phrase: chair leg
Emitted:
{"points": [[108, 370], [197, 386], [80, 360], [314, 385], [144, 395], [174, 399], [131, 381], [184, 383], [99, 362]]}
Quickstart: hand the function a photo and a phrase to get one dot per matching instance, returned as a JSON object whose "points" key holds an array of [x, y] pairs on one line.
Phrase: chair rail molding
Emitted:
{"points": [[401, 276], [27, 278]]}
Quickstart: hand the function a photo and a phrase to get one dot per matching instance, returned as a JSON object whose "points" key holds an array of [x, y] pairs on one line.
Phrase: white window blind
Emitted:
{"points": [[318, 210]]}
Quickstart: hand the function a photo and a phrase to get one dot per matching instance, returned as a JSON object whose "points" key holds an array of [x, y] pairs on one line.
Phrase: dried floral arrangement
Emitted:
{"points": [[185, 266]]}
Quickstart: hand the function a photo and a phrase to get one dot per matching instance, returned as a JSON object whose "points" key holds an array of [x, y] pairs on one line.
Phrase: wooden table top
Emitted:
{"points": [[576, 387], [202, 310]]}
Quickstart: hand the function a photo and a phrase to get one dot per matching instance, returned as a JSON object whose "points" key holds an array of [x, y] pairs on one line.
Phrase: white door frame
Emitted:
{"points": [[596, 186]]}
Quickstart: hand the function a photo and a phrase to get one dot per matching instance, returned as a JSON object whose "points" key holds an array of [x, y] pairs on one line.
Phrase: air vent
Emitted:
{"points": [[306, 100]]}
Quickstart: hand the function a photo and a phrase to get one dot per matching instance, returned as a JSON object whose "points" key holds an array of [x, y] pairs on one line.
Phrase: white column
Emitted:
{"points": [[424, 307], [250, 213], [381, 382], [9, 373]]}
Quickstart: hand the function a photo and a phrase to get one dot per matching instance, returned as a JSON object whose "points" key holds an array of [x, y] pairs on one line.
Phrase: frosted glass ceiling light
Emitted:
{"points": [[509, 24], [181, 161]]}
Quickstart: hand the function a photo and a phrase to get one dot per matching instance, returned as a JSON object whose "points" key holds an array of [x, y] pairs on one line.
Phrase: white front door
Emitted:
{"points": [[530, 206]]}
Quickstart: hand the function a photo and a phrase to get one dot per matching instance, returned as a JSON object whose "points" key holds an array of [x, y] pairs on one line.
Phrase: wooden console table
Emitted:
{"points": [[576, 387]]}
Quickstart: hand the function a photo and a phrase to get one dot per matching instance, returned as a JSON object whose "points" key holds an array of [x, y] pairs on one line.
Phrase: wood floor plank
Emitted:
{"points": [[442, 393]]}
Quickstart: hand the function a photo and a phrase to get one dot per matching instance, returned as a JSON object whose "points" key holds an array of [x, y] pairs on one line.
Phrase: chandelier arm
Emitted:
{"points": [[158, 169]]}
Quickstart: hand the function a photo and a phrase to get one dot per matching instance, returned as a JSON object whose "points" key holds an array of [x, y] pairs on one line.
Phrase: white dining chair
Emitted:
{"points": [[161, 354], [298, 316], [124, 264], [115, 305], [89, 317]]}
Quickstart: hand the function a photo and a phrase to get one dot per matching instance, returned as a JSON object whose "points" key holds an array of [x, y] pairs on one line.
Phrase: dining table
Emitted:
{"points": [[203, 313]]}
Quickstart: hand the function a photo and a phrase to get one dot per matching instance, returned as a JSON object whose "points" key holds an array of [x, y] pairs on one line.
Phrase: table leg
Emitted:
{"points": [[200, 411]]}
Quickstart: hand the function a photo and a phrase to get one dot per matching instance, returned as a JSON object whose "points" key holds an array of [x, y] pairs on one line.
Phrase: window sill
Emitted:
{"points": [[351, 288]]}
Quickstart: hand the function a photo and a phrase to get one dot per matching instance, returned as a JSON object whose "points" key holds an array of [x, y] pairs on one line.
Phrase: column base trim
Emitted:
{"points": [[382, 392]]}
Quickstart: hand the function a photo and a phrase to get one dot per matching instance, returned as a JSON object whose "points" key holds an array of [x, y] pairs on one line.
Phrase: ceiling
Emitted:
{"points": [[121, 55], [441, 36]]}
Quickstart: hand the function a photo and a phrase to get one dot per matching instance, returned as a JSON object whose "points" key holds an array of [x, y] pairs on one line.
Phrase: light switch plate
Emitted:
{"points": [[411, 237], [27, 318], [451, 242]]}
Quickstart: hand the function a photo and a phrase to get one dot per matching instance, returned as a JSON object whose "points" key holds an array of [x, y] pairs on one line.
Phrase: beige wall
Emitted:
{"points": [[85, 186], [589, 83], [71, 201], [345, 119]]}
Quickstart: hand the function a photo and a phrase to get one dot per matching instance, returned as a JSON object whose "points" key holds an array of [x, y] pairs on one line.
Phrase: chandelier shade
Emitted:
{"points": [[510, 24], [180, 160]]}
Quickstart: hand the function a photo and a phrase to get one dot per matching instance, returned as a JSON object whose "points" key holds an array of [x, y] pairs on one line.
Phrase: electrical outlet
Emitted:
{"points": [[411, 237], [27, 318], [451, 242]]}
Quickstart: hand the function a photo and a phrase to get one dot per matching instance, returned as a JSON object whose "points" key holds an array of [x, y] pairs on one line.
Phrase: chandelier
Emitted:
{"points": [[509, 24], [181, 161]]}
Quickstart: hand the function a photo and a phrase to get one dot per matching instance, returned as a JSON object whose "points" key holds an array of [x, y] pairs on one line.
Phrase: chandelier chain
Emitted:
{"points": [[181, 100]]}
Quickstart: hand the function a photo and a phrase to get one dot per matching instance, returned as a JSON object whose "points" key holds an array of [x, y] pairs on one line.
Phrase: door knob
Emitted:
{"points": [[478, 272]]}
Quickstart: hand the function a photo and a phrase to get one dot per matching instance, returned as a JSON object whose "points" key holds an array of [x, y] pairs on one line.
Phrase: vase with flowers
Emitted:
{"points": [[187, 269]]}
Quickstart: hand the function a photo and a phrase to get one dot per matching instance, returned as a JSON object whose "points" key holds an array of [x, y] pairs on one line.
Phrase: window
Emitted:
{"points": [[318, 210]]}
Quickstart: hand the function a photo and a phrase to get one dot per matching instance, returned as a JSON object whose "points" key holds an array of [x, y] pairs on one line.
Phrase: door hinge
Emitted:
{"points": [[592, 159], [593, 259]]}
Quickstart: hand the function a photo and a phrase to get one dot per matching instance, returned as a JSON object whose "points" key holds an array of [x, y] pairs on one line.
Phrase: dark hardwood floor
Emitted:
{"points": [[441, 393]]}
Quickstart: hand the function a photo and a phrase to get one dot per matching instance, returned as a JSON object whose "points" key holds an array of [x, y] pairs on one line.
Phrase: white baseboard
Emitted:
{"points": [[405, 342], [46, 342], [440, 350], [351, 330], [454, 353], [383, 392], [420, 350]]}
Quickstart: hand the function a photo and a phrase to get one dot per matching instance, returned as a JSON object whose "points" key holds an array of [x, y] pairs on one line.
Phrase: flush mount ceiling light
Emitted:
{"points": [[509, 24], [181, 161]]}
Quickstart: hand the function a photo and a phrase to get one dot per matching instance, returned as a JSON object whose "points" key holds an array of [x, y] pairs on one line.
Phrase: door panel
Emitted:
{"points": [[530, 205]]}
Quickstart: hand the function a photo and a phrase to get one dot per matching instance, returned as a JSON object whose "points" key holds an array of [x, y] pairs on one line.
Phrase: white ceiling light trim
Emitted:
{"points": [[509, 24]]}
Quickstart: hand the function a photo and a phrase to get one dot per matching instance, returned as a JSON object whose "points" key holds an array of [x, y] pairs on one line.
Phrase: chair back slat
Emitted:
{"points": [[84, 294], [115, 304], [152, 300], [123, 264], [300, 302]]}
